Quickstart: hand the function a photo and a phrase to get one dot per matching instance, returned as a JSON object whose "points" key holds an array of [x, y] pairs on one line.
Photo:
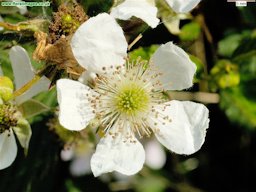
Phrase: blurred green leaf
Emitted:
{"points": [[228, 45], [144, 52], [199, 67], [71, 187], [246, 45], [190, 31], [223, 75], [4, 58], [249, 15], [239, 104], [152, 183], [48, 98]]}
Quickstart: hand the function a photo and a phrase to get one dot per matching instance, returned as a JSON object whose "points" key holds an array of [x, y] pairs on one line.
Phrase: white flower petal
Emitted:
{"points": [[99, 43], [42, 85], [116, 155], [141, 9], [155, 155], [75, 109], [182, 6], [176, 67], [185, 134], [8, 149], [21, 66], [24, 72]]}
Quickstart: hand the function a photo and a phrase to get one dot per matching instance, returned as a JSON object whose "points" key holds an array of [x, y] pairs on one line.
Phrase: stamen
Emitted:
{"points": [[125, 100]]}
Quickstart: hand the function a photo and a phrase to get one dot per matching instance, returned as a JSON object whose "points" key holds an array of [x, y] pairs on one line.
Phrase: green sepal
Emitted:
{"points": [[32, 108], [23, 132]]}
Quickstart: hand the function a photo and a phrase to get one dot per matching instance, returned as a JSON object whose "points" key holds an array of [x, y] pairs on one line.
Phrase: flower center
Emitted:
{"points": [[8, 117], [124, 99], [132, 99]]}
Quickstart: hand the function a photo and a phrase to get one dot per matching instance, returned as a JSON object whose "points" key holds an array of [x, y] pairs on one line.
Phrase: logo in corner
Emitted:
{"points": [[241, 3]]}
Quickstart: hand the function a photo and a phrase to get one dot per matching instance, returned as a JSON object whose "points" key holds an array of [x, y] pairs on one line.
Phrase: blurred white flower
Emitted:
{"points": [[155, 155], [80, 159], [128, 100], [11, 119]]}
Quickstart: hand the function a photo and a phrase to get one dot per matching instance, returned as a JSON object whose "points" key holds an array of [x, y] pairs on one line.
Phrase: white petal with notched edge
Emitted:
{"points": [[75, 109], [185, 134], [117, 155], [99, 43], [141, 9], [8, 149], [24, 72], [176, 67], [182, 6]]}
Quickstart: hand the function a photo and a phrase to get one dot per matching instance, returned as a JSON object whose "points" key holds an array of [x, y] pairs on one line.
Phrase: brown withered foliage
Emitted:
{"points": [[58, 54], [57, 29], [54, 48]]}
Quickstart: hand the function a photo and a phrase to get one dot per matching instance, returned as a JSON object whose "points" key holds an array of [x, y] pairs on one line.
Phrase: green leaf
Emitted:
{"points": [[71, 187], [190, 32], [249, 15], [23, 133], [228, 45], [152, 183], [48, 98], [199, 67], [246, 45], [239, 104], [224, 74], [144, 52], [32, 108]]}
